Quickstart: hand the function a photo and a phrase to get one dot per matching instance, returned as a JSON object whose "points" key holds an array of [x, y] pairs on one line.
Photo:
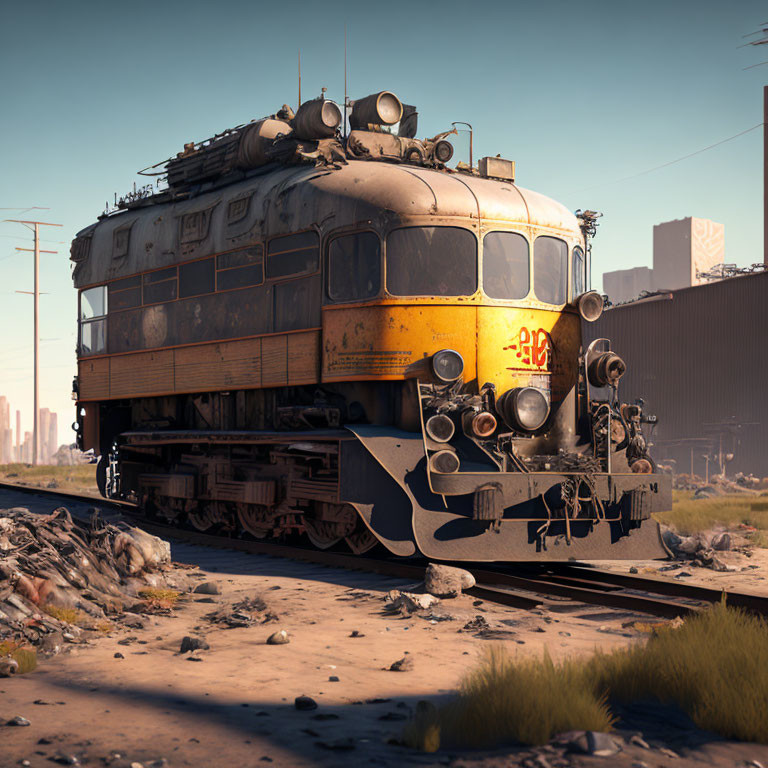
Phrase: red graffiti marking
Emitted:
{"points": [[533, 347]]}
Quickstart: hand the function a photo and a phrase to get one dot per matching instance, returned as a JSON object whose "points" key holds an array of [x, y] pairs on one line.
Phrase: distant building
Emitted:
{"points": [[682, 249], [627, 284]]}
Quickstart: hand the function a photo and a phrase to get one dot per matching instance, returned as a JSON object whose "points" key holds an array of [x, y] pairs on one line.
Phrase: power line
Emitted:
{"points": [[673, 162]]}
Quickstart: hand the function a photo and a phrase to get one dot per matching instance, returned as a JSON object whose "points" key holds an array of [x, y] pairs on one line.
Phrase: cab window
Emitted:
{"points": [[354, 267], [293, 255], [93, 323], [506, 265], [578, 272], [431, 261], [550, 269]]}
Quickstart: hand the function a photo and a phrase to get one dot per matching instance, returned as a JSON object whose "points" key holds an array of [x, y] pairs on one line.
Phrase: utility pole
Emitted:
{"points": [[35, 226]]}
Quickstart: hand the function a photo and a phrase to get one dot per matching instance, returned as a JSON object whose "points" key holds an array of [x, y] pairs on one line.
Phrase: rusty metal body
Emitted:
{"points": [[263, 359]]}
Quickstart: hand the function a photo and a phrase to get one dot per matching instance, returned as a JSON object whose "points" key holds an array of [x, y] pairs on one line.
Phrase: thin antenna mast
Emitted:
{"points": [[299, 76], [346, 99]]}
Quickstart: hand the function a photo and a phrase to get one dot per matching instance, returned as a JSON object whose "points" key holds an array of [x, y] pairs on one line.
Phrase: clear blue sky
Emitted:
{"points": [[579, 94]]}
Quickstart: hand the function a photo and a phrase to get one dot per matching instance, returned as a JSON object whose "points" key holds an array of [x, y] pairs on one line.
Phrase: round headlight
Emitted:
{"points": [[590, 305], [443, 151], [440, 428], [606, 370], [446, 462], [525, 408], [481, 424], [447, 365]]}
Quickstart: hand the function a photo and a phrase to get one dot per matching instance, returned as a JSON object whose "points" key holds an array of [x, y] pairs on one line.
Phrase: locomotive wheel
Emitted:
{"points": [[361, 539], [253, 518], [206, 516], [321, 533]]}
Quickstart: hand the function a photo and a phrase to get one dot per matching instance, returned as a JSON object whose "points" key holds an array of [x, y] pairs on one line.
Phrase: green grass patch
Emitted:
{"points": [[689, 515], [80, 478], [714, 667], [25, 657]]}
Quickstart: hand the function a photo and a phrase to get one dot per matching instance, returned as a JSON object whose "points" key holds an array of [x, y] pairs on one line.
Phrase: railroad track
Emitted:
{"points": [[527, 586]]}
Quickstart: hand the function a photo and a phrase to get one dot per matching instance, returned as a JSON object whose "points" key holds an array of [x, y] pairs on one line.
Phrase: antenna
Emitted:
{"points": [[346, 98], [299, 76]]}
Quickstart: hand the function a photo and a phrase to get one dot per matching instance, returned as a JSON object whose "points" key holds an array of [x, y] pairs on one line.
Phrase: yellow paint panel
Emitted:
{"points": [[380, 342], [142, 374], [274, 361], [93, 378], [528, 347], [218, 366], [304, 358]]}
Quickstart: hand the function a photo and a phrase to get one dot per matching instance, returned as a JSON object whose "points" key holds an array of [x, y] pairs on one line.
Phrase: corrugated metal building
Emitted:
{"points": [[699, 358]]}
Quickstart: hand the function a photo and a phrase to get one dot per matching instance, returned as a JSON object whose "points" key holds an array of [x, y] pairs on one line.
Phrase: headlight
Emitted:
{"points": [[525, 408], [481, 424], [590, 305], [440, 428], [447, 365], [606, 369], [446, 462]]}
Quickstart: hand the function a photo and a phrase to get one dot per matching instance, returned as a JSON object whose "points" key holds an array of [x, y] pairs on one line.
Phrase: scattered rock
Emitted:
{"points": [[402, 665], [304, 703], [337, 744], [278, 638], [668, 753], [62, 759], [408, 602], [447, 581], [593, 743], [119, 655], [207, 588], [633, 569], [356, 633], [193, 644], [333, 679], [8, 667], [721, 541], [18, 721], [479, 623], [638, 741]]}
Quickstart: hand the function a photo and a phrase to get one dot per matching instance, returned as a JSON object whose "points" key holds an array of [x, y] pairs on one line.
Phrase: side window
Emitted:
{"points": [[161, 285], [125, 293], [354, 267], [93, 323], [578, 272], [240, 269], [550, 269], [196, 278], [506, 265], [293, 255], [431, 261]]}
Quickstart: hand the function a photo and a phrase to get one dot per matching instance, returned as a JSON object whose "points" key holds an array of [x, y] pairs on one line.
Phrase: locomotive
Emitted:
{"points": [[319, 328]]}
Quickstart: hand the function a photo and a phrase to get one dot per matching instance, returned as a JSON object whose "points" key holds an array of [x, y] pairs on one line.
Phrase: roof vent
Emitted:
{"points": [[497, 168]]}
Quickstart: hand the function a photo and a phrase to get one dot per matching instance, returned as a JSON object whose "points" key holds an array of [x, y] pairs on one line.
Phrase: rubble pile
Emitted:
{"points": [[58, 574], [709, 549]]}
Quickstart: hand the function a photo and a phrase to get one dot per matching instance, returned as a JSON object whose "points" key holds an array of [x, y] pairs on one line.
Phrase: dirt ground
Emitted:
{"points": [[233, 704]]}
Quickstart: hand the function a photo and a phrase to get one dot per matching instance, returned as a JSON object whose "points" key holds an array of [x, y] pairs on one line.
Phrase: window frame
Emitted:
{"points": [[292, 275], [528, 242], [567, 269], [327, 281], [262, 262], [439, 296], [84, 322], [572, 271], [144, 302]]}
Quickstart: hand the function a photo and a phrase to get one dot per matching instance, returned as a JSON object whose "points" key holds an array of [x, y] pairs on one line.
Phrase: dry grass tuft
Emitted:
{"points": [[714, 667], [67, 615], [689, 515], [25, 657], [159, 599]]}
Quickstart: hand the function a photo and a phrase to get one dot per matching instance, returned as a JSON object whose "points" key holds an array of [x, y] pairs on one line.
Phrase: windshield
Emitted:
{"points": [[506, 267], [431, 261], [550, 269]]}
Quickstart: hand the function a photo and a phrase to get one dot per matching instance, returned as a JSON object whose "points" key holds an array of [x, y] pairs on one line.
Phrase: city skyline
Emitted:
{"points": [[14, 448]]}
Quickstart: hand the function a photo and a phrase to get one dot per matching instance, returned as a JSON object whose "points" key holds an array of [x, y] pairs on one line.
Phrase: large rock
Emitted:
{"points": [[446, 581]]}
